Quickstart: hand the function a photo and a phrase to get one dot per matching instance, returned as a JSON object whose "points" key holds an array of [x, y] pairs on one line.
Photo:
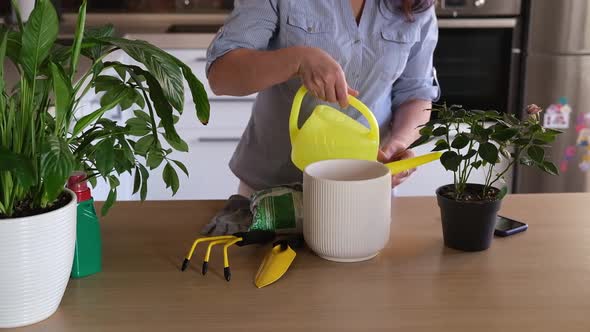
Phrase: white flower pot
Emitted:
{"points": [[36, 256]]}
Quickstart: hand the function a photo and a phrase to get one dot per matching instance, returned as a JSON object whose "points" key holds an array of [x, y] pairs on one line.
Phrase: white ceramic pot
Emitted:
{"points": [[347, 209], [36, 256]]}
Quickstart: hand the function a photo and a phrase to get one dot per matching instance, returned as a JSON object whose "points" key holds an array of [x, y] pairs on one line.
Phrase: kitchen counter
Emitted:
{"points": [[153, 27], [533, 281]]}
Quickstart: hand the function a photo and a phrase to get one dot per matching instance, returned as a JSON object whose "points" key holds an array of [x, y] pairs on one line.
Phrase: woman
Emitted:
{"points": [[378, 50]]}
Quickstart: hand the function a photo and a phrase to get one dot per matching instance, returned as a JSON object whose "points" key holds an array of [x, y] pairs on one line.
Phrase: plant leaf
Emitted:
{"points": [[198, 93], [460, 142], [63, 93], [94, 35], [106, 83], [470, 154], [79, 35], [143, 145], [39, 34], [488, 152], [181, 166], [111, 198], [105, 156], [154, 159], [536, 153], [550, 168], [526, 161], [19, 165], [419, 141], [476, 164], [162, 66], [171, 178], [441, 145], [144, 184], [426, 131], [14, 45], [94, 116], [136, 180], [57, 163], [504, 134], [450, 160], [440, 131], [179, 145]]}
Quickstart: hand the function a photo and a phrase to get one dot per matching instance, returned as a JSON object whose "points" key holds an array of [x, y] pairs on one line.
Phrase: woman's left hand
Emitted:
{"points": [[392, 151]]}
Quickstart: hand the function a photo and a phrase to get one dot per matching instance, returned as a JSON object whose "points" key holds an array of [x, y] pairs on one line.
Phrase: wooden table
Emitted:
{"points": [[535, 281]]}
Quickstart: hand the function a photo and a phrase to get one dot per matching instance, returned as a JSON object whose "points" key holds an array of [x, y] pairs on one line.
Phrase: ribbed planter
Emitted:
{"points": [[36, 256]]}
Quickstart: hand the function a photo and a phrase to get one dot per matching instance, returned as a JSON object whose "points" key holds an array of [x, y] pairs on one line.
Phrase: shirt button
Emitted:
{"points": [[309, 29], [357, 41]]}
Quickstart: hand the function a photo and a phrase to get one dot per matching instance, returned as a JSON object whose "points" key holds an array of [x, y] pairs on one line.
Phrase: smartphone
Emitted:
{"points": [[506, 226]]}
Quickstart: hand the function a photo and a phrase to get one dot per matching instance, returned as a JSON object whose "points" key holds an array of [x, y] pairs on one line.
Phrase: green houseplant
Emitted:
{"points": [[488, 140], [43, 139]]}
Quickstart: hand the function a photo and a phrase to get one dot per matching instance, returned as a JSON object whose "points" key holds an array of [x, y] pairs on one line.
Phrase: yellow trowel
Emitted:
{"points": [[277, 261]]}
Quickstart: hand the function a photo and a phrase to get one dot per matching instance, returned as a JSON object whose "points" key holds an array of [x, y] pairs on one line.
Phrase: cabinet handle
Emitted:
{"points": [[201, 59], [218, 139]]}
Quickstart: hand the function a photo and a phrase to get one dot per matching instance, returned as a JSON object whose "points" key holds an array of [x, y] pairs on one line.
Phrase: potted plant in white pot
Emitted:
{"points": [[43, 140], [472, 140]]}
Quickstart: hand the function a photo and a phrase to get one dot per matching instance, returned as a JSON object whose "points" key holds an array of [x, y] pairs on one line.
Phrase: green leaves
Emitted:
{"points": [[63, 93], [488, 152], [93, 34], [536, 153], [460, 141], [162, 66], [57, 163], [18, 165], [170, 178], [198, 93], [550, 168], [105, 156], [78, 39], [117, 90], [109, 202], [450, 160], [503, 135], [441, 145], [440, 131], [38, 37]]}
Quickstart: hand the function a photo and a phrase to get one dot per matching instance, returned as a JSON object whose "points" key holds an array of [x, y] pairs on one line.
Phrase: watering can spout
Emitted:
{"points": [[407, 164]]}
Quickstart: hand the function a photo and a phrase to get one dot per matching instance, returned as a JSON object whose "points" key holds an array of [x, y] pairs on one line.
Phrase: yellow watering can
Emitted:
{"points": [[331, 134]]}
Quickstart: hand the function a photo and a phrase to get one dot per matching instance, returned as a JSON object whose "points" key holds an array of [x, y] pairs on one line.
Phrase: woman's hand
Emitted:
{"points": [[323, 76], [394, 150]]}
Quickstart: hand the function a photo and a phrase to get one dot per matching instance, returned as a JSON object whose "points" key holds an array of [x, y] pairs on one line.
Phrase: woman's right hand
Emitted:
{"points": [[323, 76]]}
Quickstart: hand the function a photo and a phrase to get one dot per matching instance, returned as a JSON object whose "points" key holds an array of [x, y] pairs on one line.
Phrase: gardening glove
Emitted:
{"points": [[234, 217]]}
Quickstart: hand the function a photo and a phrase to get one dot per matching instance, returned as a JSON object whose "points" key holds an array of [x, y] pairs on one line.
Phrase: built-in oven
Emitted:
{"points": [[478, 56]]}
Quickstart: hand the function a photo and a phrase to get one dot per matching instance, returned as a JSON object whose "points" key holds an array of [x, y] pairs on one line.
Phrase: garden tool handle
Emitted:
{"points": [[296, 107]]}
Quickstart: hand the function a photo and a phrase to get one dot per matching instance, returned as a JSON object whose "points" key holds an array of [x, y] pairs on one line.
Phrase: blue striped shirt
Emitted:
{"points": [[387, 58]]}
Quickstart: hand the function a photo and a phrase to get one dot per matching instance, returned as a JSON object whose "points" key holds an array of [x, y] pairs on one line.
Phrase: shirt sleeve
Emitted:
{"points": [[252, 24], [418, 80]]}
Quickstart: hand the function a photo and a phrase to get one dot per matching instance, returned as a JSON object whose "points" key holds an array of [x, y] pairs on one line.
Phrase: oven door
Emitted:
{"points": [[478, 63]]}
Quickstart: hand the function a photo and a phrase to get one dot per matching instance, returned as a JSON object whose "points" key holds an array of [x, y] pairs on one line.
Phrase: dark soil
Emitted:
{"points": [[471, 194], [23, 209]]}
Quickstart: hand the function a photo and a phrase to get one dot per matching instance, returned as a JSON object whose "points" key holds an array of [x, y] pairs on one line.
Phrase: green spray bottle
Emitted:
{"points": [[88, 252]]}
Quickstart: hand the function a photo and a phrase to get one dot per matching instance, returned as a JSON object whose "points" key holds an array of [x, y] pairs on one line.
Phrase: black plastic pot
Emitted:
{"points": [[467, 225]]}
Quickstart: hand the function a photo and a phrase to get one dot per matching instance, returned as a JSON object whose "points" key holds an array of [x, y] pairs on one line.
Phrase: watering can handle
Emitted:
{"points": [[294, 128]]}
